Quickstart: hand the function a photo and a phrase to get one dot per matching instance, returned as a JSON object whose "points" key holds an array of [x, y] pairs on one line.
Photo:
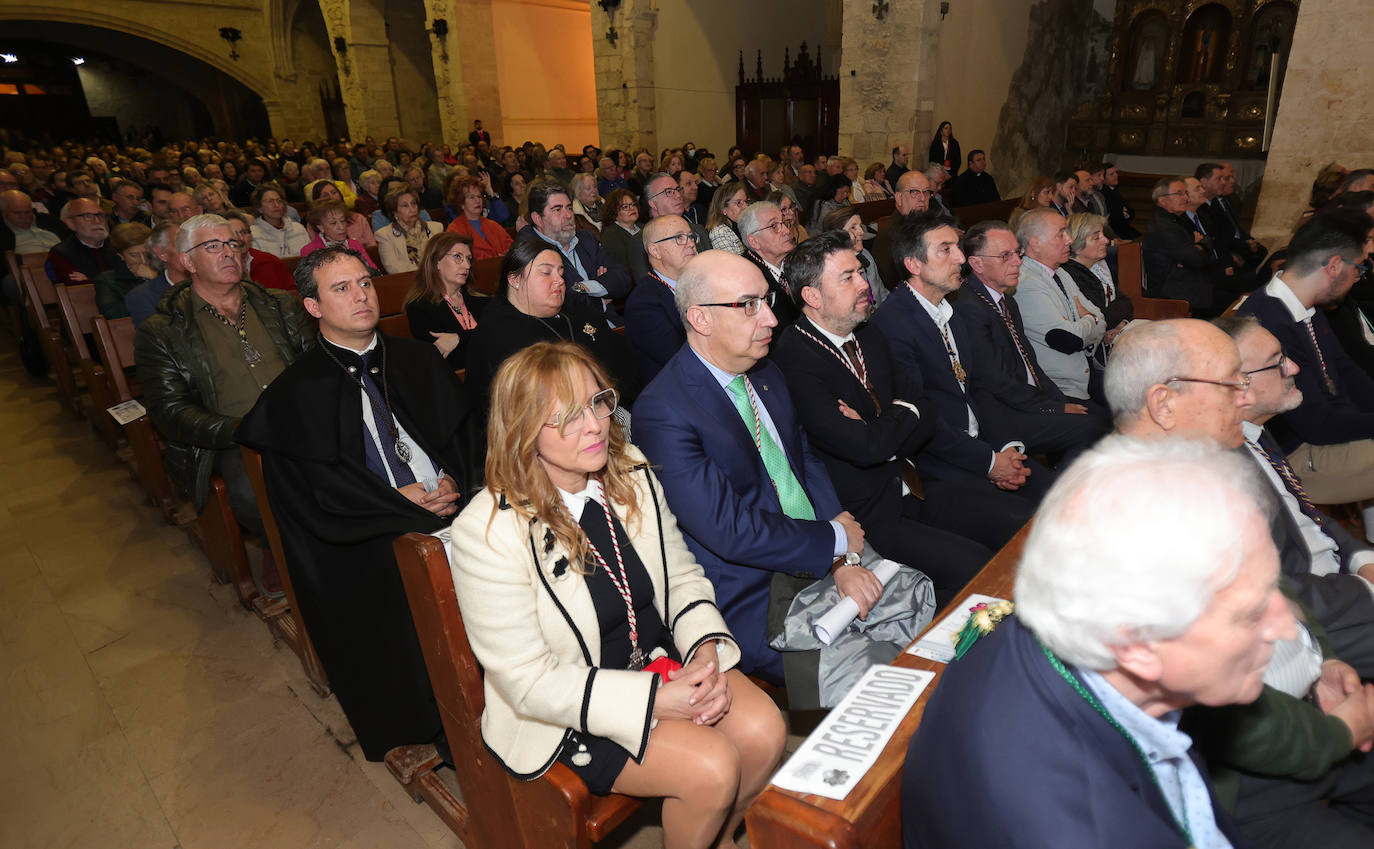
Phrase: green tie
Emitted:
{"points": [[795, 504]]}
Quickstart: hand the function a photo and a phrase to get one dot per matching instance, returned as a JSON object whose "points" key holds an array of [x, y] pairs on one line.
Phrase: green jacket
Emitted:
{"points": [[178, 389]]}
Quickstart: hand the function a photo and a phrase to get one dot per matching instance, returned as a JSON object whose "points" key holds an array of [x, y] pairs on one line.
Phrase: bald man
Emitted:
{"points": [[913, 191], [84, 254]]}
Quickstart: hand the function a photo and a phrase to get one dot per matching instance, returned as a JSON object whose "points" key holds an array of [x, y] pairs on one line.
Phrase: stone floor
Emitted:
{"points": [[140, 705]]}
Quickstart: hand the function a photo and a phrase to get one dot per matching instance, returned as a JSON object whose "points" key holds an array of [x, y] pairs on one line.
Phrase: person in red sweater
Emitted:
{"points": [[489, 239], [83, 255]]}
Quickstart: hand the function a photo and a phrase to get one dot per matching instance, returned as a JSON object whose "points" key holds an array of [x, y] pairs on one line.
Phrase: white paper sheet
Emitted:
{"points": [[937, 644], [129, 411], [848, 741], [833, 623]]}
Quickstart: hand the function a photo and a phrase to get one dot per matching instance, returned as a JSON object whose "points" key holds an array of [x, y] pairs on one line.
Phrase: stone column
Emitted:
{"points": [[887, 78], [1323, 112], [465, 69], [625, 75], [364, 66]]}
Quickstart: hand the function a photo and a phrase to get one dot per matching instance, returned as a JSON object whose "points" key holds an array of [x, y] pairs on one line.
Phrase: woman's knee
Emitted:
{"points": [[711, 776]]}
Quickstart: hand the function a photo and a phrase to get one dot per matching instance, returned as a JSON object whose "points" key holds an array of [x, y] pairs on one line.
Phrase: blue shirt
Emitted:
{"points": [[725, 378], [1166, 748], [141, 301]]}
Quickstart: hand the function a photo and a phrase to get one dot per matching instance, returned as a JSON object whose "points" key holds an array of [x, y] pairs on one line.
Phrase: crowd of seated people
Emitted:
{"points": [[839, 390]]}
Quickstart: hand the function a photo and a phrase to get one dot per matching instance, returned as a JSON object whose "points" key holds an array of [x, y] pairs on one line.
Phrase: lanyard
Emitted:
{"points": [[620, 580]]}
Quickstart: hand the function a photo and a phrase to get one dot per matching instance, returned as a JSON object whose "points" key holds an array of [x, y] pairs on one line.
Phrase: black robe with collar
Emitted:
{"points": [[338, 520]]}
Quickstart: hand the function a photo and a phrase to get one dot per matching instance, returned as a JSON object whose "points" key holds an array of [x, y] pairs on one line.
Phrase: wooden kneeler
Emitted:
{"points": [[497, 811], [282, 616]]}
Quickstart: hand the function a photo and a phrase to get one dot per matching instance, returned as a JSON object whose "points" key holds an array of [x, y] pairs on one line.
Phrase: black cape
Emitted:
{"points": [[338, 521]]}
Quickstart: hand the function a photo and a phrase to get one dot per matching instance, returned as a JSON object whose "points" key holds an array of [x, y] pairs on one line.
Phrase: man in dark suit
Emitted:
{"points": [[662, 196], [341, 496], [478, 135], [866, 421], [1090, 755], [754, 504], [1120, 215], [587, 267], [1176, 263], [901, 156], [974, 185], [930, 344], [1023, 402], [652, 322], [1218, 181], [766, 242], [912, 194], [1329, 437]]}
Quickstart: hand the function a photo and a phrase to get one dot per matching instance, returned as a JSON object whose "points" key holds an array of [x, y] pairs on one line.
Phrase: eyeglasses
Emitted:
{"points": [[682, 240], [1004, 256], [1242, 385], [918, 192], [89, 216], [1281, 365], [600, 406], [778, 226], [629, 207], [215, 247], [749, 305], [671, 190]]}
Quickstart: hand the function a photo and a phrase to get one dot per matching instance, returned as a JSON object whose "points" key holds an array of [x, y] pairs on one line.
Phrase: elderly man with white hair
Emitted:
{"points": [[1149, 584], [767, 241], [212, 345]]}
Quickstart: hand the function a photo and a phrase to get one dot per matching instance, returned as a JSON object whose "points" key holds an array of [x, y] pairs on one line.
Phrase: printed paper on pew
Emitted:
{"points": [[129, 411], [937, 644], [848, 741]]}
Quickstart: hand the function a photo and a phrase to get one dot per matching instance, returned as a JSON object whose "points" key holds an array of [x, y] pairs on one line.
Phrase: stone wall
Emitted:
{"points": [[1323, 114], [544, 68], [888, 78], [1044, 92], [118, 91], [626, 102], [412, 71]]}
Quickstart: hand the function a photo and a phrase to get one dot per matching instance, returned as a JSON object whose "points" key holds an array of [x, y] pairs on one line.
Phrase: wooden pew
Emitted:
{"points": [[485, 276], [282, 616], [76, 305], [1130, 277], [998, 210], [114, 340], [875, 210], [40, 307], [215, 529], [497, 811], [391, 298], [870, 816]]}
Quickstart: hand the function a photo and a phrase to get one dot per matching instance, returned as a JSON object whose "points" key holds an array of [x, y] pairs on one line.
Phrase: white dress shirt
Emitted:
{"points": [[420, 465]]}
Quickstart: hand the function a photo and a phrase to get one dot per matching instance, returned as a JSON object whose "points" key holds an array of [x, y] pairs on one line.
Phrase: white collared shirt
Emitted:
{"points": [[420, 465], [1279, 290], [575, 501], [941, 314]]}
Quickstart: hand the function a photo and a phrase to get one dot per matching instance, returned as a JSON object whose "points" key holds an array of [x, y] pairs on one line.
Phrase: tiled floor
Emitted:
{"points": [[140, 706]]}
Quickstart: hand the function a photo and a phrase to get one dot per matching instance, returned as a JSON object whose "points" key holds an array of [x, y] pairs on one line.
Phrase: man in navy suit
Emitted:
{"points": [[587, 267], [1061, 727], [930, 343], [756, 507], [652, 322], [866, 419], [1329, 437], [1026, 402]]}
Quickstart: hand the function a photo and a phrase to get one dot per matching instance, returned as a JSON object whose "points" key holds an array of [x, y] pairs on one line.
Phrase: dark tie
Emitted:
{"points": [[399, 471], [1231, 219], [1004, 310], [1270, 451], [851, 350]]}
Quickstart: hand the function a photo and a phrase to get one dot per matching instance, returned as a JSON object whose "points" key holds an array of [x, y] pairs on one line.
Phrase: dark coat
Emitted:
{"points": [[425, 317], [653, 326], [784, 307], [1003, 704], [1175, 266], [338, 520]]}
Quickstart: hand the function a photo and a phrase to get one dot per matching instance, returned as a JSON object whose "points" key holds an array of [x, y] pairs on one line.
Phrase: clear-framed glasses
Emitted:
{"points": [[778, 226], [1281, 365], [671, 190], [682, 240], [916, 193], [750, 305], [1242, 385], [1004, 256], [215, 247], [629, 207], [600, 406]]}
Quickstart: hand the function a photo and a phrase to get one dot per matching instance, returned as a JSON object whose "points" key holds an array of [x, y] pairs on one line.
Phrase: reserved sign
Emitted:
{"points": [[848, 741]]}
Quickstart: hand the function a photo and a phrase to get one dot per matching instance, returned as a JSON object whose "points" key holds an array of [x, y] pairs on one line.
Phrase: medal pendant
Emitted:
{"points": [[636, 659], [402, 450], [959, 373], [250, 354], [589, 330]]}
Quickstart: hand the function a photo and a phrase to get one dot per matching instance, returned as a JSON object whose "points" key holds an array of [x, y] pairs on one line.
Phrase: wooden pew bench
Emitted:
{"points": [[870, 816]]}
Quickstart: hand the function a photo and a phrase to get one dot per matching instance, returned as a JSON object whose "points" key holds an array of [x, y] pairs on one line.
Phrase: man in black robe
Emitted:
{"points": [[364, 438]]}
